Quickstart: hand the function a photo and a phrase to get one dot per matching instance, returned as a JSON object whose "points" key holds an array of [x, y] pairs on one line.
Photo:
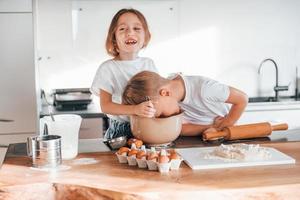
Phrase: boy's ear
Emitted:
{"points": [[164, 92]]}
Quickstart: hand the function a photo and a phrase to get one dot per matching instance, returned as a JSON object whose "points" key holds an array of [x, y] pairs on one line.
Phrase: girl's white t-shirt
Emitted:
{"points": [[112, 76], [204, 100]]}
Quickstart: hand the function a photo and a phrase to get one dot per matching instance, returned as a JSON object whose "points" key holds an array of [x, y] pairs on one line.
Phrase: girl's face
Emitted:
{"points": [[130, 35]]}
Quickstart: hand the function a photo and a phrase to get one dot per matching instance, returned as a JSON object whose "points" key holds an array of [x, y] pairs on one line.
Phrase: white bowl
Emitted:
{"points": [[155, 131]]}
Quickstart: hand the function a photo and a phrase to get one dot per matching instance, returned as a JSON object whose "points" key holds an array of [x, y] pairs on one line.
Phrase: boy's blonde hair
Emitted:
{"points": [[143, 86], [111, 44]]}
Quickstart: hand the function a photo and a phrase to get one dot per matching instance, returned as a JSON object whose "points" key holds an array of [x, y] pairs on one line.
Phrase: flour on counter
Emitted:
{"points": [[49, 169], [84, 161], [240, 152]]}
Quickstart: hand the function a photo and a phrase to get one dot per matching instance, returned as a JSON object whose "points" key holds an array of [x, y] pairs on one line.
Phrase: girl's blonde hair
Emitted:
{"points": [[111, 44], [142, 87]]}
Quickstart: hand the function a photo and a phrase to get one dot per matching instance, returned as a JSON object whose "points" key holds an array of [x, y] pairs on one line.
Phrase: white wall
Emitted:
{"points": [[225, 40], [243, 33]]}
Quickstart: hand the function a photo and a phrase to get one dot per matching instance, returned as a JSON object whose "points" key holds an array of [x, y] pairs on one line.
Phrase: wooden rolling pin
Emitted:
{"points": [[245, 131]]}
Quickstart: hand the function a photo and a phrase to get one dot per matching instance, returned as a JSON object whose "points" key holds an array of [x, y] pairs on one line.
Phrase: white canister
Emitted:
{"points": [[67, 126]]}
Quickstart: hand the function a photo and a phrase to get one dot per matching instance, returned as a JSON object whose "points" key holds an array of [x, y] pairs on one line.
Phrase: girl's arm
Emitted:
{"points": [[144, 109], [239, 101], [193, 129]]}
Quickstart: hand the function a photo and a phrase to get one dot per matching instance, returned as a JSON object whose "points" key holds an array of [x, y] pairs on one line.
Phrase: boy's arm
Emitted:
{"points": [[144, 109], [193, 129], [239, 101]]}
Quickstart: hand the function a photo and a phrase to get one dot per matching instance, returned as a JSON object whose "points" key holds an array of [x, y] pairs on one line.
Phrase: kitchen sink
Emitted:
{"points": [[272, 99], [261, 99]]}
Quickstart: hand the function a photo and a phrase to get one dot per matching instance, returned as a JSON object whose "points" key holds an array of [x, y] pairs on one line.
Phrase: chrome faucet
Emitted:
{"points": [[277, 88]]}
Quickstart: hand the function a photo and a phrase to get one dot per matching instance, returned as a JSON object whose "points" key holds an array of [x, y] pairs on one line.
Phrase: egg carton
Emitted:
{"points": [[173, 164]]}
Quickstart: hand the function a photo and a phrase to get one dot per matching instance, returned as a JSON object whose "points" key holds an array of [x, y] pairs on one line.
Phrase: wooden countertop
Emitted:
{"points": [[109, 179]]}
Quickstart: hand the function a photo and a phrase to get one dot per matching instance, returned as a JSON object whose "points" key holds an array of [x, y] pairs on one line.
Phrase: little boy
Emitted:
{"points": [[205, 102]]}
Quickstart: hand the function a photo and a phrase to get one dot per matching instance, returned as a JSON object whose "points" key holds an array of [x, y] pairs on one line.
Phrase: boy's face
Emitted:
{"points": [[166, 106]]}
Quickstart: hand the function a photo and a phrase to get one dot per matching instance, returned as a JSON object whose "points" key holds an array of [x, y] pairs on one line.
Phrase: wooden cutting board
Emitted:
{"points": [[195, 158]]}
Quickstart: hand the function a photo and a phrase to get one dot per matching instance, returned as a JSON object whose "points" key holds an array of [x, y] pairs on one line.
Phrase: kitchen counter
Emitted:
{"points": [[280, 105], [109, 179], [94, 121], [292, 135], [93, 110]]}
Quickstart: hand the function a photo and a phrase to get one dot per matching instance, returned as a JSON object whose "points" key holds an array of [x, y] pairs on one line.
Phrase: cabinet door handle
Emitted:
{"points": [[6, 120]]}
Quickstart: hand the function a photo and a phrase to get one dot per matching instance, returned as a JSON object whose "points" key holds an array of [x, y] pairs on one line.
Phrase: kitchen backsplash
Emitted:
{"points": [[224, 40]]}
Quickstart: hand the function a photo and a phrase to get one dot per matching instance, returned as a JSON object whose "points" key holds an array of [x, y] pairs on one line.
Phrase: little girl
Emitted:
{"points": [[127, 35]]}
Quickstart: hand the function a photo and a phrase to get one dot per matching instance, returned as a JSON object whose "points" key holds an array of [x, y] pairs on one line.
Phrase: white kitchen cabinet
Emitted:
{"points": [[18, 101], [274, 112], [15, 6], [91, 128]]}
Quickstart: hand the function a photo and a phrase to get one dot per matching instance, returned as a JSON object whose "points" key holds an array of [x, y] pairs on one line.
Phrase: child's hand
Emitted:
{"points": [[209, 130], [145, 109], [218, 121]]}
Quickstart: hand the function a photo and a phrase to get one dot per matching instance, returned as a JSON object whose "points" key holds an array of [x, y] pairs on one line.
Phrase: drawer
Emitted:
{"points": [[91, 128], [16, 6]]}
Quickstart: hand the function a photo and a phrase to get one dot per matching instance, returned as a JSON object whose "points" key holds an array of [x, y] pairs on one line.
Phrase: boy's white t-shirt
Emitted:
{"points": [[204, 100], [112, 76]]}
